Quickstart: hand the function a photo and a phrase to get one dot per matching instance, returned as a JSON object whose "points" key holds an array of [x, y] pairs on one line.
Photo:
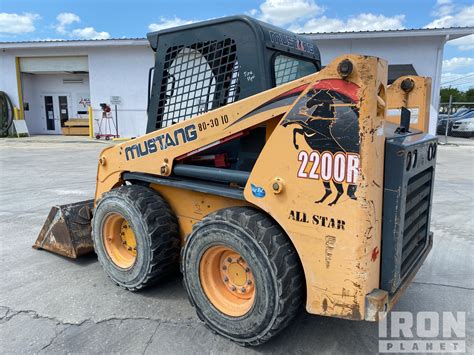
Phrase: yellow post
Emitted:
{"points": [[20, 114], [16, 113], [91, 122]]}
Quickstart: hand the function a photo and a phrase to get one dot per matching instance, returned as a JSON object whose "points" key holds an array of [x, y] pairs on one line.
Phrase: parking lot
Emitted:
{"points": [[52, 304]]}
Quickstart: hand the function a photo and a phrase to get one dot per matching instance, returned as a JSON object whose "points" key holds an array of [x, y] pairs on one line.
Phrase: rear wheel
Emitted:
{"points": [[242, 275], [135, 236]]}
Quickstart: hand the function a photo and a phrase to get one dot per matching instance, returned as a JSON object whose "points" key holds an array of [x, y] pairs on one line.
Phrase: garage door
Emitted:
{"points": [[37, 65]]}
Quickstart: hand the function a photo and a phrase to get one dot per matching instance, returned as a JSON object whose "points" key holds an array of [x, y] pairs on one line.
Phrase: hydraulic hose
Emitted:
{"points": [[6, 114]]}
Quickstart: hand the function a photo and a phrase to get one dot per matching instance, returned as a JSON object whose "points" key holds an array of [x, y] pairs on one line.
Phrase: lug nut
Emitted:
{"points": [[243, 289], [247, 269], [229, 259], [226, 279], [249, 282], [224, 267], [233, 288]]}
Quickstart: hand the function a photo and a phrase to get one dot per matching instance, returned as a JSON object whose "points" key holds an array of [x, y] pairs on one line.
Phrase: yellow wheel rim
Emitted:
{"points": [[227, 281], [119, 241]]}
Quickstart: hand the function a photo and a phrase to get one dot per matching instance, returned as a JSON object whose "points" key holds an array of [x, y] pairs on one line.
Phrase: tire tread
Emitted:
{"points": [[162, 227], [283, 258]]}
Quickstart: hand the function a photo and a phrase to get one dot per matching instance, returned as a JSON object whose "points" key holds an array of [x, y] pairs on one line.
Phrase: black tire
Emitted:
{"points": [[156, 232], [276, 268]]}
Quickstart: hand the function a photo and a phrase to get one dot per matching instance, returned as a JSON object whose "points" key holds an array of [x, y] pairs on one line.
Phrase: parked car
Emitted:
{"points": [[442, 121], [464, 127], [459, 112]]}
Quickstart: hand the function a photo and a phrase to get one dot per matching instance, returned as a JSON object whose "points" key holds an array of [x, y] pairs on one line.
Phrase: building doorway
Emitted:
{"points": [[56, 94], [55, 111]]}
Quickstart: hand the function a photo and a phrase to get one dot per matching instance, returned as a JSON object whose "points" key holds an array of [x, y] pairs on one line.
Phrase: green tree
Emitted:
{"points": [[458, 96], [469, 95]]}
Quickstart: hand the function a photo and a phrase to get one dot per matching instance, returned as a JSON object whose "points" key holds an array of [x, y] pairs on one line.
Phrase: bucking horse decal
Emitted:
{"points": [[328, 119]]}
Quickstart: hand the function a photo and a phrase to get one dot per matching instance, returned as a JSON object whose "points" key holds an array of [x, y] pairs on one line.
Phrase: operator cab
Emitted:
{"points": [[207, 65]]}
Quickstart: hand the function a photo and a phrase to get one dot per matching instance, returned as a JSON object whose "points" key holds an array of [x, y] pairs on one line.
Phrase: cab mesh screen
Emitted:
{"points": [[196, 79], [288, 69]]}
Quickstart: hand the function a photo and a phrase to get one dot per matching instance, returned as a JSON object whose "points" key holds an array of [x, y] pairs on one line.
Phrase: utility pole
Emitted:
{"points": [[448, 119]]}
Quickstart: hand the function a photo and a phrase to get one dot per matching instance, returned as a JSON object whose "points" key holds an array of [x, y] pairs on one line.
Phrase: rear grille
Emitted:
{"points": [[416, 223]]}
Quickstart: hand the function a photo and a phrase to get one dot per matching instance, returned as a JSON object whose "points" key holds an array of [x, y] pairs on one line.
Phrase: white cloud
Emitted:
{"points": [[168, 23], [65, 19], [461, 81], [460, 18], [89, 33], [463, 43], [15, 24], [283, 12], [307, 16], [443, 8], [47, 39], [361, 22], [458, 62]]}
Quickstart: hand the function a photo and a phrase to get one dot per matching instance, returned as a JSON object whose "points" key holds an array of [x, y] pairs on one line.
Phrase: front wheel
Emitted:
{"points": [[135, 236], [242, 275]]}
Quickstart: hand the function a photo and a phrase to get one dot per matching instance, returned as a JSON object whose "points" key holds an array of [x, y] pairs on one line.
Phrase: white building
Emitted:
{"points": [[64, 77]]}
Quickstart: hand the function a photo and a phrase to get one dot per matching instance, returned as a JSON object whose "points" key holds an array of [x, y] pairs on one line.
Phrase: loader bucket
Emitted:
{"points": [[67, 230]]}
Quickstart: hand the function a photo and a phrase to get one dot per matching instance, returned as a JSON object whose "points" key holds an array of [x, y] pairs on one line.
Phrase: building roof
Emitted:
{"points": [[76, 43], [397, 70], [449, 33]]}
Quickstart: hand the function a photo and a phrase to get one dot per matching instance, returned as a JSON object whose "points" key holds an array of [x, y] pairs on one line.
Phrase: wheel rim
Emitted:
{"points": [[119, 241], [227, 280]]}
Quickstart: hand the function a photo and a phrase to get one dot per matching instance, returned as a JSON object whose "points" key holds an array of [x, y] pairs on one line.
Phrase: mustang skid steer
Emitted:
{"points": [[271, 181]]}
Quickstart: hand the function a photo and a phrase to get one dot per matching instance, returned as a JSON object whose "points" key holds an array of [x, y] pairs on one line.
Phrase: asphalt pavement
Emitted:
{"points": [[56, 305]]}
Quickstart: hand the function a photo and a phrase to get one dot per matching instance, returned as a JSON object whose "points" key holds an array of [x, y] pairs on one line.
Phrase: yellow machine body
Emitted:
{"points": [[417, 100], [338, 243]]}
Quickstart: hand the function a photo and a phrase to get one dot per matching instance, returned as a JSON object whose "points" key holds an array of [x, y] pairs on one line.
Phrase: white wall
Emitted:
{"points": [[424, 53], [121, 71], [8, 82], [43, 84], [113, 71]]}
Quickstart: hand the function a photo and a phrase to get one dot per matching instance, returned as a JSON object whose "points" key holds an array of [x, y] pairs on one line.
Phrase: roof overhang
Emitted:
{"points": [[447, 33], [76, 43]]}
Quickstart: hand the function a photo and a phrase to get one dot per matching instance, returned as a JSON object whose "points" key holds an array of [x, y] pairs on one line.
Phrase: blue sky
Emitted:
{"points": [[86, 19]]}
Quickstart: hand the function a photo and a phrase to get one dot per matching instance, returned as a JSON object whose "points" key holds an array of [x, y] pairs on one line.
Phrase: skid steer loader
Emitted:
{"points": [[271, 181]]}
